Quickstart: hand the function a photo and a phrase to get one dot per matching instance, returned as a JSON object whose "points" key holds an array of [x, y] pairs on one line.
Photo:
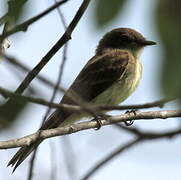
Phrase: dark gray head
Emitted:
{"points": [[123, 38]]}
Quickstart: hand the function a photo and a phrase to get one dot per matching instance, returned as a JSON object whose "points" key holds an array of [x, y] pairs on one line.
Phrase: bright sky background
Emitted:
{"points": [[151, 160]]}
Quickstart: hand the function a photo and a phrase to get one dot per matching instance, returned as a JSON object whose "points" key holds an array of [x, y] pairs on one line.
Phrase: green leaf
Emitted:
{"points": [[169, 26], [106, 11]]}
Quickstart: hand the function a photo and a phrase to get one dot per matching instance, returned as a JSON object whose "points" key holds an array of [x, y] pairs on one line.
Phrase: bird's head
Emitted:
{"points": [[123, 38]]}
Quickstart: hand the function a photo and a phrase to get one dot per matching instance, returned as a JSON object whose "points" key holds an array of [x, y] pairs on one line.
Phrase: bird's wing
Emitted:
{"points": [[98, 75]]}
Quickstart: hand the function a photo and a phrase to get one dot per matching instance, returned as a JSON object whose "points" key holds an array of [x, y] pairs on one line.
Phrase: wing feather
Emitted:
{"points": [[98, 75]]}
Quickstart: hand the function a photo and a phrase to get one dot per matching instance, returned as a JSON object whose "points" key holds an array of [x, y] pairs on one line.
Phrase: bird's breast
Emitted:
{"points": [[134, 79], [125, 86], [130, 81]]}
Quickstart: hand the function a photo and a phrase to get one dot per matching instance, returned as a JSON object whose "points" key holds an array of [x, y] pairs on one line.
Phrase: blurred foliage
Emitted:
{"points": [[106, 11], [10, 111], [168, 20], [13, 108], [15, 11]]}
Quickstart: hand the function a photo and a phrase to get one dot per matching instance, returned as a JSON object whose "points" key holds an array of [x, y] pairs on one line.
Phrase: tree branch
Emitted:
{"points": [[122, 148], [112, 155], [40, 101], [66, 36], [27, 140], [32, 163], [75, 108], [24, 26], [159, 103], [24, 68]]}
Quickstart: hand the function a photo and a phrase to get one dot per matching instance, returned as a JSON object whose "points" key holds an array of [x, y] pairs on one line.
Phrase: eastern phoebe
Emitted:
{"points": [[109, 77]]}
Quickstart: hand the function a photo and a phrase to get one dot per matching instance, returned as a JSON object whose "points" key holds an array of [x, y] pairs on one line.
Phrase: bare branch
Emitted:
{"points": [[61, 17], [51, 100], [32, 163], [24, 26], [66, 36], [147, 134], [83, 105], [27, 140], [146, 115], [24, 68], [159, 103], [133, 130], [68, 155], [61, 68], [53, 160], [7, 93], [119, 150], [112, 155], [75, 108]]}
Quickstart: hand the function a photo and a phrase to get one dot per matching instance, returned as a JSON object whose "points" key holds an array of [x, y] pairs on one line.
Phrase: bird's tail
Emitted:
{"points": [[53, 121], [22, 154]]}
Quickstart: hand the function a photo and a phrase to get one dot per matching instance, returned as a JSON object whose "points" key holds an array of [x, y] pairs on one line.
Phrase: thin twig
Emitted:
{"points": [[141, 137], [112, 155], [160, 103], [68, 156], [66, 36], [133, 130], [53, 161], [62, 64], [32, 163], [62, 18], [66, 147], [48, 110], [73, 108], [51, 101], [32, 89], [24, 26], [24, 68], [27, 140], [40, 101]]}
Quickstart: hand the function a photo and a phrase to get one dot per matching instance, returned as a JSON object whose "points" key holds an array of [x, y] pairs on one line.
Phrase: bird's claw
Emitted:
{"points": [[130, 122], [99, 123]]}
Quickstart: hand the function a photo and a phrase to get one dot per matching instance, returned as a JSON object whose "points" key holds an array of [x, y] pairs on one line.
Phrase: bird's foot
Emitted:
{"points": [[98, 120], [130, 122]]}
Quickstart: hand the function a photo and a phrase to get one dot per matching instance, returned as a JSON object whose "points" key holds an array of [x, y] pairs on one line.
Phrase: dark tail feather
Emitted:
{"points": [[52, 122], [22, 154]]}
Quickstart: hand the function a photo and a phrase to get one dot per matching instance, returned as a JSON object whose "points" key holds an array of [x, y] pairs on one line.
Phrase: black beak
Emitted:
{"points": [[148, 43]]}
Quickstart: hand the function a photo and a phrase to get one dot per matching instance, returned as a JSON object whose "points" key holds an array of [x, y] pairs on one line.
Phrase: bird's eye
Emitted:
{"points": [[125, 38]]}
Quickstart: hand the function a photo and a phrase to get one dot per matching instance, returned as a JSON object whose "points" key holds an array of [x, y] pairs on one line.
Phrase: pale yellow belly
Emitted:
{"points": [[117, 93], [120, 90]]}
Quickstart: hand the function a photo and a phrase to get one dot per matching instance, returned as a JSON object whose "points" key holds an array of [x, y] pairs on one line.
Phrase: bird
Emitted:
{"points": [[109, 77]]}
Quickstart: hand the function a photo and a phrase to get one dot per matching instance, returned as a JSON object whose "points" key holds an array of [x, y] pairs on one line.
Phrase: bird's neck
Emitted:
{"points": [[137, 52]]}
